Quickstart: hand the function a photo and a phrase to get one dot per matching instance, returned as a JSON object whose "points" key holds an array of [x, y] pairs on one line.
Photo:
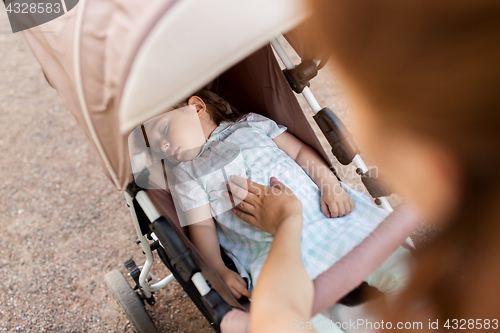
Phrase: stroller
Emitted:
{"points": [[117, 64]]}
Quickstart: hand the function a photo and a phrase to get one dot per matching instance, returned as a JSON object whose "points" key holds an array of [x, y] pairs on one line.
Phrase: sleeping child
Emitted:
{"points": [[205, 141]]}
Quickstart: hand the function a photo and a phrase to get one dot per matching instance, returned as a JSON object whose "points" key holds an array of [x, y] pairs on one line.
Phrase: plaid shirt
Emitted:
{"points": [[246, 148]]}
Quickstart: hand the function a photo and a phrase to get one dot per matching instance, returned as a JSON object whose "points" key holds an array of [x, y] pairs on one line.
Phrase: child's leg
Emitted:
{"points": [[392, 276]]}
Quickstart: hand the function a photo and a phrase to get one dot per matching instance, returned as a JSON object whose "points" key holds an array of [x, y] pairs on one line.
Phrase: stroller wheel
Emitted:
{"points": [[130, 302]]}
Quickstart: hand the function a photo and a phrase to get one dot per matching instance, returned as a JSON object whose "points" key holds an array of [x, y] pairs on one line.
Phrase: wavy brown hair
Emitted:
{"points": [[433, 67], [218, 108]]}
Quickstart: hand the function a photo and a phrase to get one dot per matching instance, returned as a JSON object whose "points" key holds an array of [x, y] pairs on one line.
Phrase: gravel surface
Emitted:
{"points": [[63, 225]]}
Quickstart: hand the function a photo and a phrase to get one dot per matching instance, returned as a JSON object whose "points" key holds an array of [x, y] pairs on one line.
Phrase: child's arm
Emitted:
{"points": [[335, 202], [204, 236]]}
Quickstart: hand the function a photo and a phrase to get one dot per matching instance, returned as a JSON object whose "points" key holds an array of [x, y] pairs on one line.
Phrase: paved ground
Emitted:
{"points": [[63, 227]]}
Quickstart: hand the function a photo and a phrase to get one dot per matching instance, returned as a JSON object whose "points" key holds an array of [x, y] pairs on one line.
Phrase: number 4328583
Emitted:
{"points": [[464, 324], [33, 8]]}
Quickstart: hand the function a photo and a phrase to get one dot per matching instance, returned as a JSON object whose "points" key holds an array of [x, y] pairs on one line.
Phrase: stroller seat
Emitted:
{"points": [[124, 79], [249, 95], [254, 93]]}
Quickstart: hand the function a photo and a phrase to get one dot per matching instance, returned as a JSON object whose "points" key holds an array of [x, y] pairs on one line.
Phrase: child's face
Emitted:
{"points": [[177, 134]]}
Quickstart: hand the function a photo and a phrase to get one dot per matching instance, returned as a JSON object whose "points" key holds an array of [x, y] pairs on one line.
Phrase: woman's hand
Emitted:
{"points": [[276, 210], [265, 207], [235, 283], [335, 202]]}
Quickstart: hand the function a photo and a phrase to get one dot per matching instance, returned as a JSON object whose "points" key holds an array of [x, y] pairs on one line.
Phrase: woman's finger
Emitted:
{"points": [[247, 184], [237, 194], [246, 207], [245, 217], [282, 187], [276, 183]]}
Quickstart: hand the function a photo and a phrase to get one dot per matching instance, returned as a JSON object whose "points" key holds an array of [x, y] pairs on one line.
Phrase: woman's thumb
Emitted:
{"points": [[276, 183]]}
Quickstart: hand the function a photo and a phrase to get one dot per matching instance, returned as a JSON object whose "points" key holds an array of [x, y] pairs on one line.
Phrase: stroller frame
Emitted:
{"points": [[152, 214], [150, 224], [120, 83]]}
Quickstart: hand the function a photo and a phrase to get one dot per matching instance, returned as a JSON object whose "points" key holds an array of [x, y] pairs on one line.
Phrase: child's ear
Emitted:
{"points": [[198, 104]]}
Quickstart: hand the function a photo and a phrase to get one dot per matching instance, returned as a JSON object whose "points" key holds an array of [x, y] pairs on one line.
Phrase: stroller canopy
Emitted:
{"points": [[117, 64]]}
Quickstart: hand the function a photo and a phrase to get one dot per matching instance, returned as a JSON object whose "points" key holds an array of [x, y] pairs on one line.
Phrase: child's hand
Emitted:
{"points": [[335, 202], [235, 283]]}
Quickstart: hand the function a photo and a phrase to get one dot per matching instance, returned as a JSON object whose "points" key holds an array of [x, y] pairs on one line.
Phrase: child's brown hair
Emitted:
{"points": [[219, 109]]}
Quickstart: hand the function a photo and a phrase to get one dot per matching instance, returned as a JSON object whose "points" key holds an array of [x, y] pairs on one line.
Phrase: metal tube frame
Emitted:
{"points": [[315, 106], [151, 212], [146, 287]]}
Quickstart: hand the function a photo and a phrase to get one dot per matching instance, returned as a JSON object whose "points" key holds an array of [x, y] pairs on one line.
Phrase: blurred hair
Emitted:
{"points": [[433, 67], [218, 108]]}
